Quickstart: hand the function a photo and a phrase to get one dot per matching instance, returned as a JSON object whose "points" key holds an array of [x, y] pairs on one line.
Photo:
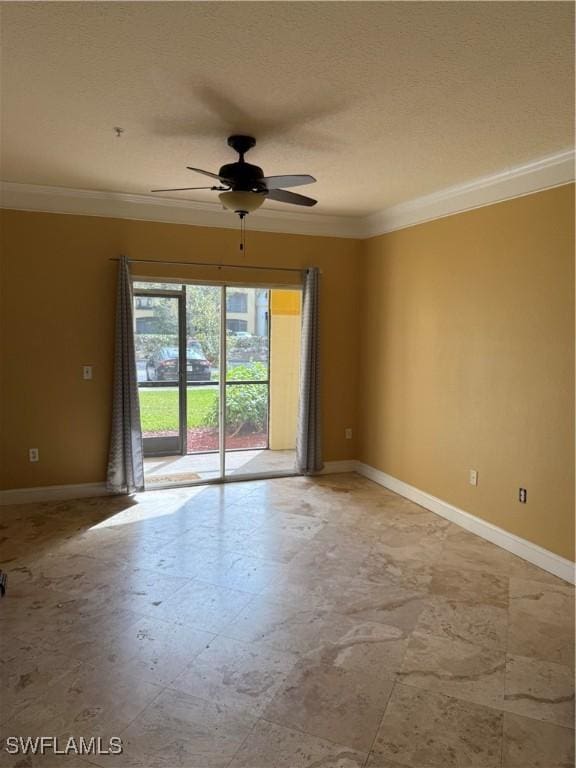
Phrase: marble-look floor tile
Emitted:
{"points": [[98, 699], [469, 552], [387, 602], [354, 561], [424, 729], [224, 567], [535, 744], [271, 545], [72, 629], [333, 703], [550, 603], [182, 730], [402, 523], [407, 542], [272, 746], [469, 586], [322, 592], [481, 624], [26, 672], [140, 589], [27, 607], [236, 674], [285, 627], [539, 689], [122, 544], [456, 668], [155, 650], [537, 639], [297, 525], [50, 759], [75, 574], [541, 621], [244, 572], [202, 605], [373, 648]]}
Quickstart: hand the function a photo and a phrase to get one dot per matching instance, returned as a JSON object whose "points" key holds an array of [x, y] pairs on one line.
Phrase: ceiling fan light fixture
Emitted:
{"points": [[242, 202]]}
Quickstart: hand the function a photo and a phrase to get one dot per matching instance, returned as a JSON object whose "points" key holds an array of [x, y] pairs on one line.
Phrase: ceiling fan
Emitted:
{"points": [[243, 187]]}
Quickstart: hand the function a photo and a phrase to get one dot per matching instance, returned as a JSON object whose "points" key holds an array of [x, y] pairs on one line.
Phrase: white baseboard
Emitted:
{"points": [[334, 467], [84, 490], [52, 493], [543, 558]]}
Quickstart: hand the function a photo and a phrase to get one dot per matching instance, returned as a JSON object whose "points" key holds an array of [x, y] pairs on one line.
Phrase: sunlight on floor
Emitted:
{"points": [[199, 467]]}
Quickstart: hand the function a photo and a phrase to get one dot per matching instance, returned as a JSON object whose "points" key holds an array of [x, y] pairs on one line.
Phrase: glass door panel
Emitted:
{"points": [[158, 340], [203, 334], [247, 379], [285, 328]]}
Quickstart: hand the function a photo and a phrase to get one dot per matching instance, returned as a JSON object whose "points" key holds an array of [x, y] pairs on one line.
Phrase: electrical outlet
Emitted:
{"points": [[33, 454], [473, 477], [87, 372], [522, 495], [348, 433]]}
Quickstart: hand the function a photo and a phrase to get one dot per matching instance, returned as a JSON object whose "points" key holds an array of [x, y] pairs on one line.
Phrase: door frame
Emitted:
{"points": [[223, 285], [170, 446]]}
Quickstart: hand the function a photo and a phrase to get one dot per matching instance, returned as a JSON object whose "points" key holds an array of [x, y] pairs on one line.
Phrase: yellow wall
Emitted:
{"points": [[285, 323], [456, 338], [468, 362], [58, 314]]}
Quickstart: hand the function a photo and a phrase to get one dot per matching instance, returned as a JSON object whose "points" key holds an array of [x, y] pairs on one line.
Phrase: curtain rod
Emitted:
{"points": [[206, 264]]}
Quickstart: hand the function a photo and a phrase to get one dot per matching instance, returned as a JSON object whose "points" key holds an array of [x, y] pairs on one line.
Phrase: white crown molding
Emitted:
{"points": [[120, 205], [527, 550], [545, 173]]}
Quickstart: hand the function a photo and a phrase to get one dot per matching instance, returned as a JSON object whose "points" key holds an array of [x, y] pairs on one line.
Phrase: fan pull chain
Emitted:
{"points": [[243, 232]]}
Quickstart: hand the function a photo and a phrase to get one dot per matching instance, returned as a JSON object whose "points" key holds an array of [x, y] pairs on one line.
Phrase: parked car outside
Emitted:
{"points": [[163, 365]]}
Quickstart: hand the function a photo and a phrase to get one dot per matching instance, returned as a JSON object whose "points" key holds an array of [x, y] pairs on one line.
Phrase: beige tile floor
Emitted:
{"points": [[290, 623]]}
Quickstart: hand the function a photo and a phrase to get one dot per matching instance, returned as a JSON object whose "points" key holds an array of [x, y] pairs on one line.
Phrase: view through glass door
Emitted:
{"points": [[231, 411], [247, 381], [159, 344]]}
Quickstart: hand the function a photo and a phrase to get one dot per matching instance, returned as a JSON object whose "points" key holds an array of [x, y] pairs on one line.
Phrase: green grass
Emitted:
{"points": [[159, 407]]}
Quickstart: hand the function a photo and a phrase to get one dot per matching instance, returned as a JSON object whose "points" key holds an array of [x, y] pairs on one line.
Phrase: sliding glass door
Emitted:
{"points": [[218, 370]]}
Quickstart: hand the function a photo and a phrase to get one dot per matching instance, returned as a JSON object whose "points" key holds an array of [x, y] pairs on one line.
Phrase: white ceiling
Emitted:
{"points": [[382, 102]]}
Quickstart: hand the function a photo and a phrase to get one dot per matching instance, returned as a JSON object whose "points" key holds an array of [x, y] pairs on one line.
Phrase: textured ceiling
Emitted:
{"points": [[382, 102]]}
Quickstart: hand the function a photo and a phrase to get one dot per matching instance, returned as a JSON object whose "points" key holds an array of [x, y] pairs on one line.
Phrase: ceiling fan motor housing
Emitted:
{"points": [[243, 177], [249, 182]]}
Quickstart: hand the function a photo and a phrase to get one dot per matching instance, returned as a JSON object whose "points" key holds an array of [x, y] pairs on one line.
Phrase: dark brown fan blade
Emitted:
{"points": [[185, 189], [280, 182], [208, 173], [283, 196]]}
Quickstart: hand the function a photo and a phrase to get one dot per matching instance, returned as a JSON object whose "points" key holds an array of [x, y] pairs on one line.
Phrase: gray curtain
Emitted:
{"points": [[309, 439], [125, 465]]}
